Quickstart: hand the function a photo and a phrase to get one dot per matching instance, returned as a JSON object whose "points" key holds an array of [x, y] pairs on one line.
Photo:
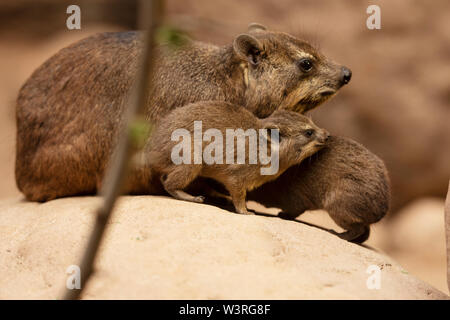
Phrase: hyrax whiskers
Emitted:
{"points": [[343, 178], [71, 108], [299, 138]]}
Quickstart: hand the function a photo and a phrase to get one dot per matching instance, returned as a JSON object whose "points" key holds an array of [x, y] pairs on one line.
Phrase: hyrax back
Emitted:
{"points": [[299, 138], [343, 178], [70, 109]]}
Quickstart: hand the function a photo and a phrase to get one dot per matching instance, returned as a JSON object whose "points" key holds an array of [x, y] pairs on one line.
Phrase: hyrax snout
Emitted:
{"points": [[343, 178], [298, 137], [285, 72]]}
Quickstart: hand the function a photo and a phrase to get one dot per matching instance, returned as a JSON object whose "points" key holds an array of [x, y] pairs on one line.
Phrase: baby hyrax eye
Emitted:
{"points": [[309, 133], [305, 64]]}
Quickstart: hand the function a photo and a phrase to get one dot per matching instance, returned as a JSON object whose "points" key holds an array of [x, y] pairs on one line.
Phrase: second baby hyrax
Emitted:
{"points": [[344, 178]]}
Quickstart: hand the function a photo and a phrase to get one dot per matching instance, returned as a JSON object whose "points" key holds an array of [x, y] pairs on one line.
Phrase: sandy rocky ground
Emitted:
{"points": [[161, 248]]}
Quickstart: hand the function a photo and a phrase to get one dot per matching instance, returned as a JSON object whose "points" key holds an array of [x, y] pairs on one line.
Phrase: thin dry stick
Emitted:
{"points": [[151, 17], [447, 231]]}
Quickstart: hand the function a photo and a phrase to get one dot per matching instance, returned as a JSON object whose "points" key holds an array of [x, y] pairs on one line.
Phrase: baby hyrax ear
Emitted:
{"points": [[256, 27], [248, 48]]}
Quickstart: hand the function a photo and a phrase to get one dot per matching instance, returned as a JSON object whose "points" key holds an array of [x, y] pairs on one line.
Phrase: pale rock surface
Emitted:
{"points": [[161, 248]]}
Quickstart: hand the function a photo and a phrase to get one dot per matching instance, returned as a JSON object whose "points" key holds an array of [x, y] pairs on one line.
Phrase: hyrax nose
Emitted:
{"points": [[346, 75], [326, 136]]}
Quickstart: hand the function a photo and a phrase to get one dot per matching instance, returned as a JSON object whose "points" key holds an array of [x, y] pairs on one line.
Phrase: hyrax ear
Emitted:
{"points": [[256, 27], [248, 48]]}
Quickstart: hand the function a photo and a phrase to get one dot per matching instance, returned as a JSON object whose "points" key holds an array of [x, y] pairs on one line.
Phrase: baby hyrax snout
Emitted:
{"points": [[173, 149], [299, 136], [316, 139]]}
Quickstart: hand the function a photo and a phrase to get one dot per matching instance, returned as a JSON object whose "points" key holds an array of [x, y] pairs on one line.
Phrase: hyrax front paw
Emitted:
{"points": [[356, 235], [199, 199], [244, 211]]}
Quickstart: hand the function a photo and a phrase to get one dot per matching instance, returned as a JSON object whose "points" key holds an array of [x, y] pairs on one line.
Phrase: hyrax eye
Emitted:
{"points": [[309, 132], [305, 64]]}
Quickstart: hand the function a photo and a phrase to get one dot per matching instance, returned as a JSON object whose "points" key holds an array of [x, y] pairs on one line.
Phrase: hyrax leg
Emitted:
{"points": [[217, 194], [286, 215], [179, 178], [348, 217], [238, 196], [357, 233], [292, 212]]}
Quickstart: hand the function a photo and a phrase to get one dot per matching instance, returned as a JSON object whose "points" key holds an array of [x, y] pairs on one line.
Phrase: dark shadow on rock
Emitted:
{"points": [[226, 205]]}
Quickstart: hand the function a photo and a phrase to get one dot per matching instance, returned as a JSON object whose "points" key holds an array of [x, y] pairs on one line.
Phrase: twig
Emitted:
{"points": [[151, 15], [447, 231]]}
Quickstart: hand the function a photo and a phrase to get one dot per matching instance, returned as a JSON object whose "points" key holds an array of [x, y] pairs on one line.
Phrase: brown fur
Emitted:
{"points": [[294, 146], [69, 111], [343, 178]]}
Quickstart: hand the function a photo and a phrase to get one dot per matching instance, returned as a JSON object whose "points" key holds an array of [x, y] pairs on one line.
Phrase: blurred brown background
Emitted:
{"points": [[397, 103]]}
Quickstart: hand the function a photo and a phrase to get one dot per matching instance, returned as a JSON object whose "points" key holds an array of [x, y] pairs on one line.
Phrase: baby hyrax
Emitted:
{"points": [[344, 178], [299, 138]]}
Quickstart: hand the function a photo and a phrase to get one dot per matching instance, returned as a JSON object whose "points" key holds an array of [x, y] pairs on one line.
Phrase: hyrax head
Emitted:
{"points": [[283, 72], [299, 137]]}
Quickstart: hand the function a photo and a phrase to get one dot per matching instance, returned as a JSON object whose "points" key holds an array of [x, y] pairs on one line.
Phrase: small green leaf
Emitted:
{"points": [[140, 131], [171, 36]]}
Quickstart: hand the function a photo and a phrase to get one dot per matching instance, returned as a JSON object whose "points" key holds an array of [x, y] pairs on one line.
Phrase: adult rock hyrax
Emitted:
{"points": [[70, 109], [343, 178], [299, 138]]}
